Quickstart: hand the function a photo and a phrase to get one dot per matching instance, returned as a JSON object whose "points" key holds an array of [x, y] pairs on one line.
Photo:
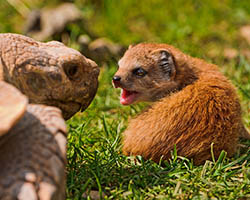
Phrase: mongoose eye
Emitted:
{"points": [[139, 72]]}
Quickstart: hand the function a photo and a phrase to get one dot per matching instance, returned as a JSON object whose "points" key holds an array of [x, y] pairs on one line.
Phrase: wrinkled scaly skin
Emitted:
{"points": [[48, 73], [33, 156]]}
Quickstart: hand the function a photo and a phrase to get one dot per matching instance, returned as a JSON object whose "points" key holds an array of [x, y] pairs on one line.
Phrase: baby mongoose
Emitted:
{"points": [[195, 105]]}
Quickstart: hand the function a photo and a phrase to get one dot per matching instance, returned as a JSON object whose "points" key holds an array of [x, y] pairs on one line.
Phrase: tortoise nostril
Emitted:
{"points": [[116, 78]]}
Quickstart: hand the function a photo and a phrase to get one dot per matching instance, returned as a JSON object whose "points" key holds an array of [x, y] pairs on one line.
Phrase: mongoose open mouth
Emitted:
{"points": [[128, 97]]}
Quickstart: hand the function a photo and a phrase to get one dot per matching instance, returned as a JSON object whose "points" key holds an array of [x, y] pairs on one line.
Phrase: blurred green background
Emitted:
{"points": [[194, 26]]}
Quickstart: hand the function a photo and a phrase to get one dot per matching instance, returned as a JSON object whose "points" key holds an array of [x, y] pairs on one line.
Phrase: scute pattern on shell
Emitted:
{"points": [[12, 106]]}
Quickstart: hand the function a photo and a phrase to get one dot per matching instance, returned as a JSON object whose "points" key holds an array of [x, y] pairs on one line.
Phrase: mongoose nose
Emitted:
{"points": [[116, 81], [116, 78]]}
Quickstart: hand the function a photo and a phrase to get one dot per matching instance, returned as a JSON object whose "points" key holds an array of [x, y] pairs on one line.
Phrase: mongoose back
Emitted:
{"points": [[194, 106]]}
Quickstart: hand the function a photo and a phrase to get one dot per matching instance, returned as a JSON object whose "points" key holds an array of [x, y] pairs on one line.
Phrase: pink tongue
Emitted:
{"points": [[127, 97]]}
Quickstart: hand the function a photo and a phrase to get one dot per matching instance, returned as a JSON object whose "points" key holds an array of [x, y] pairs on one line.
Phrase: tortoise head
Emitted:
{"points": [[53, 74]]}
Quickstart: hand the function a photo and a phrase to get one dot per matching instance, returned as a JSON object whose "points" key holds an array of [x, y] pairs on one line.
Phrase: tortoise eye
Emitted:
{"points": [[70, 70], [139, 72]]}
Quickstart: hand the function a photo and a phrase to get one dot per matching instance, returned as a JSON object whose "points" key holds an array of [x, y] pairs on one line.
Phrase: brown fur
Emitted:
{"points": [[196, 107]]}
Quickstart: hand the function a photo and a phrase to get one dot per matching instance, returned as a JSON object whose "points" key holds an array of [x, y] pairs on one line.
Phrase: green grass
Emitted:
{"points": [[200, 28]]}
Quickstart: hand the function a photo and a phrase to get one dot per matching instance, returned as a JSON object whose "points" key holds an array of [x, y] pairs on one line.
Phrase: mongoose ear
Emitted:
{"points": [[165, 62]]}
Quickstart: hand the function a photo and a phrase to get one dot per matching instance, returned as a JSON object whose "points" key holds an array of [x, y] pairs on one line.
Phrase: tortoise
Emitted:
{"points": [[48, 73], [32, 148], [41, 84]]}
